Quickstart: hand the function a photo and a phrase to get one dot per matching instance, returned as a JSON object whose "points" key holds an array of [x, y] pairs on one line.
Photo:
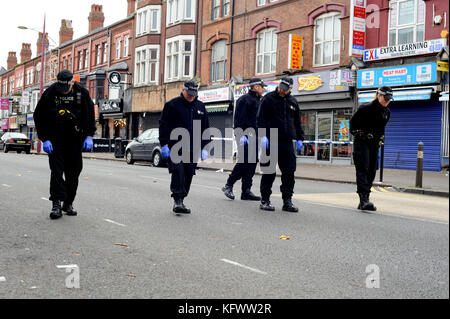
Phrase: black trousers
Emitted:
{"points": [[245, 167], [288, 164], [182, 174], [66, 163], [365, 157]]}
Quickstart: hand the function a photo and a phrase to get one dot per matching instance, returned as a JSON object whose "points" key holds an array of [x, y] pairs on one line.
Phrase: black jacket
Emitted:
{"points": [[282, 113], [370, 118], [51, 126], [246, 110], [179, 113]]}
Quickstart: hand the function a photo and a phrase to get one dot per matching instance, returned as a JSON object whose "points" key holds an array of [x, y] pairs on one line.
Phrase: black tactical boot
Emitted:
{"points": [[56, 210], [248, 195], [228, 191], [265, 205], [179, 208], [68, 208], [288, 206], [364, 203]]}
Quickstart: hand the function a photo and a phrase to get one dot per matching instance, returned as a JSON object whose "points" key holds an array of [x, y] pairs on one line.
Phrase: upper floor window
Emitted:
{"points": [[126, 45], [217, 5], [218, 61], [118, 48], [147, 65], [406, 21], [263, 2], [80, 65], [105, 52], [97, 54], [85, 57], [179, 58], [180, 10], [266, 51], [327, 33], [148, 20]]}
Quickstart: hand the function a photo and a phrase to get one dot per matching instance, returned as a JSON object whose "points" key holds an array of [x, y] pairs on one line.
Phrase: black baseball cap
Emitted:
{"points": [[64, 80], [286, 83], [386, 91], [257, 81], [191, 88]]}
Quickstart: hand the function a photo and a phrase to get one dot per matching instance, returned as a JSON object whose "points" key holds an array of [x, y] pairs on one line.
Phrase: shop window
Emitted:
{"points": [[309, 127], [341, 133]]}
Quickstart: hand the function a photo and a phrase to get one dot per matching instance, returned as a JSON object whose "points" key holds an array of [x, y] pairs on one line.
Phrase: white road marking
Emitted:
{"points": [[2, 279], [6, 185], [45, 199], [113, 222], [66, 266], [243, 266]]}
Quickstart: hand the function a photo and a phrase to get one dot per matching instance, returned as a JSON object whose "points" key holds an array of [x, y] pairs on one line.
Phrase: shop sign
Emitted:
{"points": [[442, 66], [4, 124], [397, 76], [22, 119], [4, 106], [214, 95], [30, 120], [407, 49], [25, 98], [322, 82], [13, 122], [295, 52], [243, 89], [357, 27], [110, 106]]}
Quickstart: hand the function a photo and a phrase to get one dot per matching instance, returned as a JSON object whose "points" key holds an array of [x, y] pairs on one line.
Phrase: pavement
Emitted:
{"points": [[434, 183]]}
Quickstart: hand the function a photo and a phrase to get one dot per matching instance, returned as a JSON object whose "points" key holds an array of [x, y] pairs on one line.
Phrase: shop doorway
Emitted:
{"points": [[323, 137]]}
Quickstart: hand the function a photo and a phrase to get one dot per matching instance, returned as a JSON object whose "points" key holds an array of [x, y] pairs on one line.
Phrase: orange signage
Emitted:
{"points": [[295, 52], [76, 77], [309, 83]]}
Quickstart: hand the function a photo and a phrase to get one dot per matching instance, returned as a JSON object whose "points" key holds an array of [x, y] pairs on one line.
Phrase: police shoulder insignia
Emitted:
{"points": [[200, 112]]}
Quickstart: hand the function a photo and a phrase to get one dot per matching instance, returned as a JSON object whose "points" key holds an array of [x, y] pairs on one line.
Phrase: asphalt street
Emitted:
{"points": [[127, 243]]}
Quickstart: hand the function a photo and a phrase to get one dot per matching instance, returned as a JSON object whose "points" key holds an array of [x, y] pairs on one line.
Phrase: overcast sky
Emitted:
{"points": [[30, 13]]}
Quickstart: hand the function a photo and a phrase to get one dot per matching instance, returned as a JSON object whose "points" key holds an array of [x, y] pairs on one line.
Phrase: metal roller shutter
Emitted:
{"points": [[411, 123]]}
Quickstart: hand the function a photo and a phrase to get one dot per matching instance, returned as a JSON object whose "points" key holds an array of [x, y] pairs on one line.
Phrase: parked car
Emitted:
{"points": [[145, 147], [19, 142]]}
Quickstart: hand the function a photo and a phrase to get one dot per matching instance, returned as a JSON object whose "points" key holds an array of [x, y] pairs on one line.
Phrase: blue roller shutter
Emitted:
{"points": [[413, 122]]}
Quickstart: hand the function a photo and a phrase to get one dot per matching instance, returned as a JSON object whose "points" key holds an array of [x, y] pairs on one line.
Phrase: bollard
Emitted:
{"points": [[381, 162], [419, 169]]}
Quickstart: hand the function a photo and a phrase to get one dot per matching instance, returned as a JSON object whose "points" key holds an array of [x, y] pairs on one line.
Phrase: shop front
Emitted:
{"points": [[22, 123], [326, 107], [32, 131], [416, 113], [4, 125], [13, 127]]}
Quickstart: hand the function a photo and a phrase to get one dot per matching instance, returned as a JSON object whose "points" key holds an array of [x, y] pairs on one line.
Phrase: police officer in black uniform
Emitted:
{"points": [[65, 123], [245, 118], [367, 126], [185, 112], [281, 111]]}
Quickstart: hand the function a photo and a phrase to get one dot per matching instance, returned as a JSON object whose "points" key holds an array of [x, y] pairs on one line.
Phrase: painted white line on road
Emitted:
{"points": [[113, 222], [45, 199], [66, 266], [6, 185], [2, 279], [243, 266]]}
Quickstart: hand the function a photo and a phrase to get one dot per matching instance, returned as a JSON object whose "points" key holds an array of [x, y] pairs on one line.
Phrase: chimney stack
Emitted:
{"points": [[131, 7], [25, 53], [39, 43], [66, 31], [12, 60], [96, 17]]}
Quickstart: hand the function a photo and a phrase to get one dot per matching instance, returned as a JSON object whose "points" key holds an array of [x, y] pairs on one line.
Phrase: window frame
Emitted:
{"points": [[148, 26], [181, 54], [406, 26], [215, 62], [181, 16], [273, 30], [333, 14], [147, 63]]}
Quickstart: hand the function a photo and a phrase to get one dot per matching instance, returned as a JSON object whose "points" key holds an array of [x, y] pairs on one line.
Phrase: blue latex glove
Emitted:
{"points": [[48, 147], [243, 140], [88, 144], [265, 142], [204, 155], [299, 145], [165, 152]]}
